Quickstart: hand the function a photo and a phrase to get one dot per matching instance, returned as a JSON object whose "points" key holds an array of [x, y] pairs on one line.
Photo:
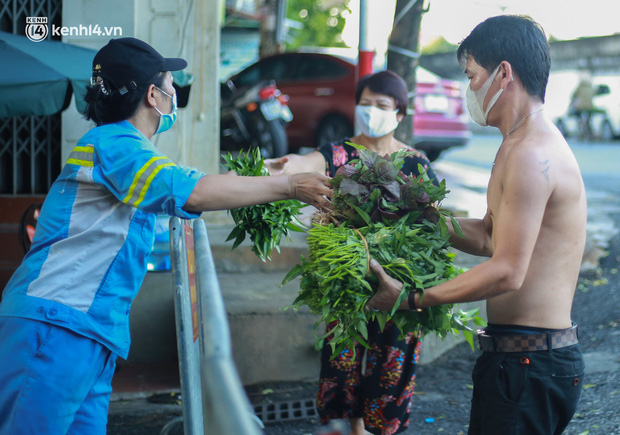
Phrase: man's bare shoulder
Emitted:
{"points": [[543, 164], [542, 148]]}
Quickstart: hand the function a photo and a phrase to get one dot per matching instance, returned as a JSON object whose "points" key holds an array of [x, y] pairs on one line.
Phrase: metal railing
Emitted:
{"points": [[212, 394]]}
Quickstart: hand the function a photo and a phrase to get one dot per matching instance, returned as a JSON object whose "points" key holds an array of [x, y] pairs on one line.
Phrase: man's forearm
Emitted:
{"points": [[484, 281], [488, 279]]}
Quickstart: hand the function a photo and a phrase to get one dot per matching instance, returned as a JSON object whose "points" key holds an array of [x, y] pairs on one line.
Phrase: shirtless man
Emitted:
{"points": [[534, 233]]}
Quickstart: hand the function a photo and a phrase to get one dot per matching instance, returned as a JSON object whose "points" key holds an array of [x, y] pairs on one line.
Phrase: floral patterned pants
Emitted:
{"points": [[382, 394]]}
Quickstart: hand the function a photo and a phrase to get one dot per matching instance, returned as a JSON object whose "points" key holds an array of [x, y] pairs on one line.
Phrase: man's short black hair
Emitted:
{"points": [[516, 39]]}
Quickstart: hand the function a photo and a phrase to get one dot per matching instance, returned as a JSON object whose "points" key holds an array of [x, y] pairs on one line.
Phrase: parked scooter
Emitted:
{"points": [[256, 117]]}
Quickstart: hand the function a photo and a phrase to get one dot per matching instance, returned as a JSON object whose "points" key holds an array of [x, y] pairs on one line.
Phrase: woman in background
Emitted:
{"points": [[376, 399]]}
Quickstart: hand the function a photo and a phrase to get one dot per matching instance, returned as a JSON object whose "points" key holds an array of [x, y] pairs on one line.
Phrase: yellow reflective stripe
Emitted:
{"points": [[80, 162], [148, 182], [136, 179], [87, 149], [82, 156]]}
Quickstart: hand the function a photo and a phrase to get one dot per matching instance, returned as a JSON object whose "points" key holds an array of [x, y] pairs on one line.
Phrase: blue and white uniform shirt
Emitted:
{"points": [[95, 232]]}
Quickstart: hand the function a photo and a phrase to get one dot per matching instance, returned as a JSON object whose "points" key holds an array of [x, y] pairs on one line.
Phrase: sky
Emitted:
{"points": [[454, 19], [564, 19]]}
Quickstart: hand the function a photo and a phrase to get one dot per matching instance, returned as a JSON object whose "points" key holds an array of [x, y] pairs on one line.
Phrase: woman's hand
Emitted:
{"points": [[312, 188], [276, 166]]}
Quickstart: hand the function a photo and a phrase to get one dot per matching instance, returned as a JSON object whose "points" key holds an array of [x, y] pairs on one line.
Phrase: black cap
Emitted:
{"points": [[129, 63]]}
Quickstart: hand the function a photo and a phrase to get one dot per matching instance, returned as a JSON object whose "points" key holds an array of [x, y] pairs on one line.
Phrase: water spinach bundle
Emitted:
{"points": [[381, 213], [265, 224]]}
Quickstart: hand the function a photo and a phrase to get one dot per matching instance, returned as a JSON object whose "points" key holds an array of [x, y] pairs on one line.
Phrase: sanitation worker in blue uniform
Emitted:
{"points": [[64, 313]]}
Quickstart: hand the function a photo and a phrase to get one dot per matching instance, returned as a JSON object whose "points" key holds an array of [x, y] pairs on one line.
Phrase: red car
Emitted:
{"points": [[321, 90]]}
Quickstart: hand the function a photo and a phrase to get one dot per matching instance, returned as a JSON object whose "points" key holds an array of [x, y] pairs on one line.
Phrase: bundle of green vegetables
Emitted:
{"points": [[381, 213], [265, 224]]}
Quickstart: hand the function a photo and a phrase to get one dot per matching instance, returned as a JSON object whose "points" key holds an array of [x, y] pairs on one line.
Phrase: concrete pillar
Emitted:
{"points": [[175, 28], [110, 14]]}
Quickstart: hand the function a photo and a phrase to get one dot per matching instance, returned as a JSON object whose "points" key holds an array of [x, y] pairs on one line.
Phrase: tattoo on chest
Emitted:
{"points": [[545, 171]]}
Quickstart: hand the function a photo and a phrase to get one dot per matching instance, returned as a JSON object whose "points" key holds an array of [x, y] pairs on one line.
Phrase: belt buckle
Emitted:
{"points": [[479, 334], [482, 335]]}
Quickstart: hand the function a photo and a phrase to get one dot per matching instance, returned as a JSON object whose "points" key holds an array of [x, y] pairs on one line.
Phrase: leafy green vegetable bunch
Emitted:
{"points": [[265, 224], [378, 187], [410, 243]]}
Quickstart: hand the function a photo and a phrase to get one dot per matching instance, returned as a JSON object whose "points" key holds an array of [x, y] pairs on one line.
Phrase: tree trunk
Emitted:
{"points": [[271, 26], [403, 56]]}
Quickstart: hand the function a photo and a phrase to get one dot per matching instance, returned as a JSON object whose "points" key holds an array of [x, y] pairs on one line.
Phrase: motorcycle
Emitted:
{"points": [[254, 117]]}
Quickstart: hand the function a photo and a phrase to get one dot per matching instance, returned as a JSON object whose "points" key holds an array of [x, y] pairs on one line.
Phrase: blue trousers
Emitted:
{"points": [[53, 381]]}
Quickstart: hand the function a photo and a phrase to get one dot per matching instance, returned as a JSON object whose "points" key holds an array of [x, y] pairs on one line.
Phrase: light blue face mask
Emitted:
{"points": [[167, 119]]}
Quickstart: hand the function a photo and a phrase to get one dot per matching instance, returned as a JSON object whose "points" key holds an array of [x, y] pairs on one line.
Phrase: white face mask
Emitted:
{"points": [[167, 119], [374, 122], [475, 100]]}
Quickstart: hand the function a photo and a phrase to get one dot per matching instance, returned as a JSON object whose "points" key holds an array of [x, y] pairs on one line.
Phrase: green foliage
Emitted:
{"points": [[373, 188], [264, 223], [439, 45], [401, 227], [321, 25]]}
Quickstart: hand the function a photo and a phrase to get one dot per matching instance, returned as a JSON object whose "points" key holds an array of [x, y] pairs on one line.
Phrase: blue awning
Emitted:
{"points": [[38, 78]]}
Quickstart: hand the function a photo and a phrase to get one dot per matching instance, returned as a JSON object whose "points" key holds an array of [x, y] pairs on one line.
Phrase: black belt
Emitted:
{"points": [[527, 342]]}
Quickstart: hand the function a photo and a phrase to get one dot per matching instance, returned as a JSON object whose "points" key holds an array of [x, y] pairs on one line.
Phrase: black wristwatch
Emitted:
{"points": [[411, 300]]}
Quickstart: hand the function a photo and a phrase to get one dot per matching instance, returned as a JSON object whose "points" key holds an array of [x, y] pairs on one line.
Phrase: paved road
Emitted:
{"points": [[444, 387]]}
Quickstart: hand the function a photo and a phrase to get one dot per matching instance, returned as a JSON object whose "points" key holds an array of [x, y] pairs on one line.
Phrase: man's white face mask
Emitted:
{"points": [[475, 100]]}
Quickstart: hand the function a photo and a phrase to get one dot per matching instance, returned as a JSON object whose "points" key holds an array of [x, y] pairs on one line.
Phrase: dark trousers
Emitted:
{"points": [[526, 393]]}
